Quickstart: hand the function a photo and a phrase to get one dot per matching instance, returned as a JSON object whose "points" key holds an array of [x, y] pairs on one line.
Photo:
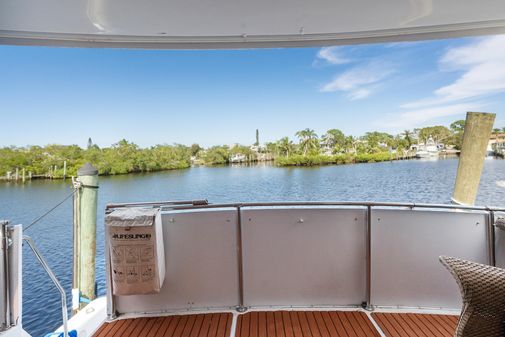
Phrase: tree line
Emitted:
{"points": [[122, 157], [308, 148]]}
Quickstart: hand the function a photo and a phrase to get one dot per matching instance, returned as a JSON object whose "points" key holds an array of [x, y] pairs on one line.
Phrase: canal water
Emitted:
{"points": [[429, 181]]}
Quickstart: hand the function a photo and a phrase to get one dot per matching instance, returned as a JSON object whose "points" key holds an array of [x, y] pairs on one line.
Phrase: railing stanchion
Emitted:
{"points": [[6, 319], [368, 257], [491, 238], [49, 272], [240, 307]]}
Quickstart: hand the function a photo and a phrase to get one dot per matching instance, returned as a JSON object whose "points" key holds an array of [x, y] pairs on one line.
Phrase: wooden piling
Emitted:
{"points": [[478, 127], [64, 170], [17, 173], [23, 175], [86, 234]]}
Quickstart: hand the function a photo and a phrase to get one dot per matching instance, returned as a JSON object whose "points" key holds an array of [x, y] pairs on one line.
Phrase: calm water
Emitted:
{"points": [[408, 181]]}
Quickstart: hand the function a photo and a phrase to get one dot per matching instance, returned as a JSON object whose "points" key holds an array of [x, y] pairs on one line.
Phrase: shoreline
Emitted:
{"points": [[280, 162], [293, 161]]}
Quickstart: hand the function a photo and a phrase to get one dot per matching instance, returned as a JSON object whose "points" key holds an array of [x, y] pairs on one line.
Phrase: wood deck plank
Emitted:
{"points": [[284, 324], [314, 329], [238, 327], [451, 320], [270, 324], [401, 329], [444, 325], [416, 325], [214, 325], [397, 328], [279, 324], [295, 323], [180, 326], [384, 325], [332, 330], [169, 327], [229, 321], [366, 324], [433, 329], [358, 329], [138, 325], [244, 326], [147, 327], [195, 332], [337, 323], [262, 324], [223, 323], [114, 328], [200, 325], [288, 325], [124, 328], [189, 326], [101, 329], [407, 325], [323, 329], [158, 322], [253, 324], [207, 320], [304, 324], [347, 325]]}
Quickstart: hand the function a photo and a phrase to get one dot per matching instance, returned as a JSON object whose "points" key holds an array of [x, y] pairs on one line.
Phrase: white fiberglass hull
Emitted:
{"points": [[427, 154]]}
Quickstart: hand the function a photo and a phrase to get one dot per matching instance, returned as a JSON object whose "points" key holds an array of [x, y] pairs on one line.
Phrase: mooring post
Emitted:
{"points": [[478, 127], [88, 197], [23, 174], [30, 175], [17, 173]]}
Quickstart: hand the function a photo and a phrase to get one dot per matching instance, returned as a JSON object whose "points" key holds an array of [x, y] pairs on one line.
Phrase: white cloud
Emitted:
{"points": [[359, 94], [358, 80], [483, 65], [332, 55], [416, 118]]}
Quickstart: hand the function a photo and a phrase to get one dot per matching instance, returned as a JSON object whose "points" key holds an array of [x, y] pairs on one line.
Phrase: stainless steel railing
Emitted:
{"points": [[5, 320], [42, 261], [367, 207]]}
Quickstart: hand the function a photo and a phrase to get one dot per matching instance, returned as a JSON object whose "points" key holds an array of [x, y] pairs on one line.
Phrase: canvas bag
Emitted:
{"points": [[137, 254]]}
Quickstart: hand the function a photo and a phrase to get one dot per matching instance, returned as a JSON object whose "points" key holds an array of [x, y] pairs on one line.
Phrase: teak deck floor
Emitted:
{"points": [[416, 325], [284, 324], [305, 324], [202, 325]]}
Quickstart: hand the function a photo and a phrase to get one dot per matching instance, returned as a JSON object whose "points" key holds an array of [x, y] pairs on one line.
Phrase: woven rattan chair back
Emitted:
{"points": [[483, 291]]}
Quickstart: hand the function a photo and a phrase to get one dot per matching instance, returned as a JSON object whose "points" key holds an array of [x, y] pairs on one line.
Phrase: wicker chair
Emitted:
{"points": [[483, 291]]}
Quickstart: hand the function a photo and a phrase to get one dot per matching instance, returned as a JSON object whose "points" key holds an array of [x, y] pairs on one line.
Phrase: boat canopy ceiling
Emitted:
{"points": [[193, 24]]}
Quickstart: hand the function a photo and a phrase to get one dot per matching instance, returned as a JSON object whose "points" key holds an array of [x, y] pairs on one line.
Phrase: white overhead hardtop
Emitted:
{"points": [[242, 23]]}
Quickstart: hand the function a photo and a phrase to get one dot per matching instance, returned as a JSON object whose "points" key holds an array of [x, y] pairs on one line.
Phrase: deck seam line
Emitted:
{"points": [[377, 327], [233, 328]]}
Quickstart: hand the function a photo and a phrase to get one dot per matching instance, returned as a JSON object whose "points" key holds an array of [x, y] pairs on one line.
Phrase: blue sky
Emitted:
{"points": [[65, 95]]}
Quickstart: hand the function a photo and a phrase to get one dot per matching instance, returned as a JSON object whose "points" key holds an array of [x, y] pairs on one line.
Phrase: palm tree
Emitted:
{"points": [[407, 135], [350, 143], [496, 131], [308, 139], [285, 146]]}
